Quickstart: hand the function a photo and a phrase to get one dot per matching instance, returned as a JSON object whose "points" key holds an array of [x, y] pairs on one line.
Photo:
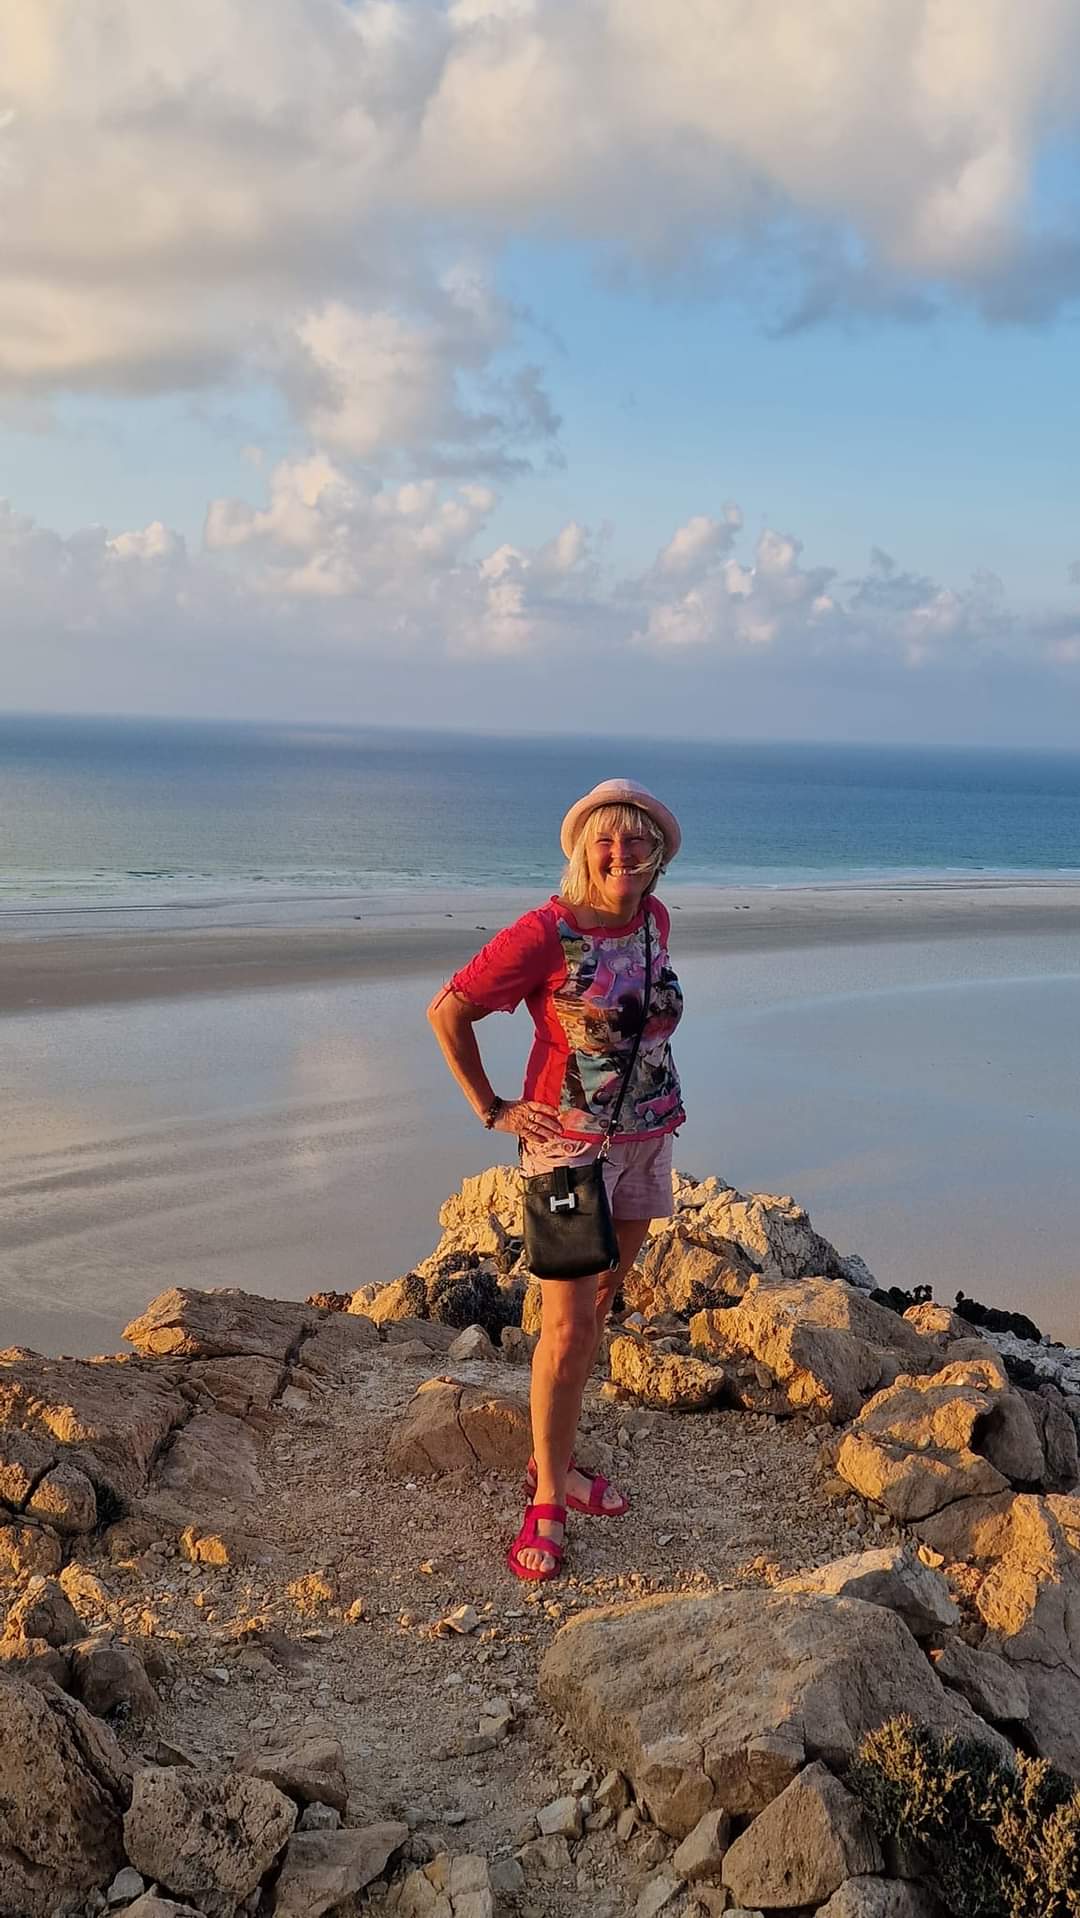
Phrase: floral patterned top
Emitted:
{"points": [[583, 986]]}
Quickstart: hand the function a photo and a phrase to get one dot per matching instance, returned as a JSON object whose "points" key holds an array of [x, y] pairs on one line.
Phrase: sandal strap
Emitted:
{"points": [[557, 1512], [596, 1492]]}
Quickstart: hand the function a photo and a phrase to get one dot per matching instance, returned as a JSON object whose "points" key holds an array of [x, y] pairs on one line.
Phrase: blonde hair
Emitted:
{"points": [[575, 879]]}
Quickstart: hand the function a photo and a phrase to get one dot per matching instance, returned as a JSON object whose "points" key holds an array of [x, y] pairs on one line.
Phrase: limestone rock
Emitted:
{"points": [[65, 1499], [971, 1528], [880, 1898], [23, 1461], [29, 1548], [35, 1660], [825, 1342], [43, 1610], [212, 1460], [473, 1343], [237, 1386], [800, 1849], [703, 1850], [458, 1885], [150, 1905], [308, 1764], [1057, 1436], [714, 1703], [324, 1868], [516, 1345], [64, 1782], [911, 1484], [772, 1231], [219, 1324], [937, 1322], [207, 1835], [485, 1213], [337, 1343], [449, 1425], [992, 1686], [110, 1678], [107, 1417], [892, 1576], [426, 1332], [677, 1275], [665, 1379], [1009, 1439]]}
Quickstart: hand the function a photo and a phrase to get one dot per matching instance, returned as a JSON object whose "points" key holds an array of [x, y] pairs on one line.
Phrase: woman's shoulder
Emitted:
{"points": [[661, 916]]}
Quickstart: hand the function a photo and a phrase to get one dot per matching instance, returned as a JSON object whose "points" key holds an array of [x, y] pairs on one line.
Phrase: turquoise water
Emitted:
{"points": [[100, 811]]}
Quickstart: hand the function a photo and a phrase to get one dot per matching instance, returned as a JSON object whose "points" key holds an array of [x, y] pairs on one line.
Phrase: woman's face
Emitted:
{"points": [[618, 862]]}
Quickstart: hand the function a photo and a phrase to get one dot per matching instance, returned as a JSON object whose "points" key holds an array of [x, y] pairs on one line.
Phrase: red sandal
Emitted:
{"points": [[594, 1506], [531, 1539]]}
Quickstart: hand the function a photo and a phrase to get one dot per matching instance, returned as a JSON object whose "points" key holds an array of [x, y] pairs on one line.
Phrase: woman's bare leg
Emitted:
{"points": [[561, 1363]]}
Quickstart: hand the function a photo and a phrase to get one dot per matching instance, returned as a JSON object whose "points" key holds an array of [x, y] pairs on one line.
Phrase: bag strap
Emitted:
{"points": [[628, 1073]]}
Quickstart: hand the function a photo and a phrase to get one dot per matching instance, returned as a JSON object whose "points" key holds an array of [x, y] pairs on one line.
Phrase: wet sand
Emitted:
{"points": [[120, 957]]}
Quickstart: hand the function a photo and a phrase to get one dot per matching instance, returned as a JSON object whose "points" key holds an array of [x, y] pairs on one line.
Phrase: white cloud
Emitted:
{"points": [[199, 193]]}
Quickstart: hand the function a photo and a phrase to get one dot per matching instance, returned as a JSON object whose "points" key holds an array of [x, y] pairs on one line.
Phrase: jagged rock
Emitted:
{"points": [[324, 1868], [427, 1332], [127, 1884], [64, 1782], [43, 1610], [703, 1850], [516, 1345], [714, 1703], [109, 1678], [221, 1324], [937, 1323], [207, 1835], [880, 1898], [29, 1548], [971, 1528], [237, 1386], [826, 1343], [473, 1343], [1009, 1439], [1057, 1436], [23, 1461], [772, 1231], [66, 1500], [210, 1544], [800, 1849], [150, 1905], [449, 1425], [34, 1659], [484, 1214], [88, 1593], [404, 1298], [212, 1460], [453, 1885], [532, 1309], [338, 1343], [893, 1576], [665, 1379], [107, 1417], [308, 1764], [992, 1686], [918, 1445], [677, 1275]]}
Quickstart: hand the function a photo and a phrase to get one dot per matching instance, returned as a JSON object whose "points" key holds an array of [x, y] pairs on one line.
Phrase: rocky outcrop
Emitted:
{"points": [[105, 1417], [717, 1703], [666, 1380], [924, 1443], [221, 1324], [676, 1274], [802, 1847], [825, 1343], [209, 1836], [893, 1576], [64, 1786], [449, 1426]]}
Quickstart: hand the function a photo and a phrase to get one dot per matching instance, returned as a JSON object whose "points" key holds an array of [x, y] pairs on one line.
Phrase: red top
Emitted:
{"points": [[584, 986]]}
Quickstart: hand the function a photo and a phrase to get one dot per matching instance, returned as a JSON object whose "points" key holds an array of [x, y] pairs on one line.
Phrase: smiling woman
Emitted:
{"points": [[600, 1089]]}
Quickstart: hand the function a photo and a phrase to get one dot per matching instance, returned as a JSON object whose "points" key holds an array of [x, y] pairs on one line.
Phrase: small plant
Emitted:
{"points": [[1002, 1837]]}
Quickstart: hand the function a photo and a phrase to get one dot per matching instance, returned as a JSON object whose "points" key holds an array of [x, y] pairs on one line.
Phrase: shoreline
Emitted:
{"points": [[114, 963]]}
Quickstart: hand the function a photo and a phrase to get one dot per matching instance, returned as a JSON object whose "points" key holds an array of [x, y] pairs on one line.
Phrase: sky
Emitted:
{"points": [[526, 364]]}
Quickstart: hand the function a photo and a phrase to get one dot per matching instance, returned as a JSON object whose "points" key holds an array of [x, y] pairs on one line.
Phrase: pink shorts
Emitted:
{"points": [[637, 1173]]}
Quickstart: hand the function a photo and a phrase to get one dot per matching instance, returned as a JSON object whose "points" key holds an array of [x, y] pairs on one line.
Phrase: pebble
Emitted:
{"points": [[463, 1619], [562, 1818], [127, 1884]]}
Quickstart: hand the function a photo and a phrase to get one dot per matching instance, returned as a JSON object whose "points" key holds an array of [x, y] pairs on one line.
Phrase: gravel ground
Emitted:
{"points": [[346, 1623]]}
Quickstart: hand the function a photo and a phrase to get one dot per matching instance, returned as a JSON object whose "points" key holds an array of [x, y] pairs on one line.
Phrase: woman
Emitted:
{"points": [[579, 964]]}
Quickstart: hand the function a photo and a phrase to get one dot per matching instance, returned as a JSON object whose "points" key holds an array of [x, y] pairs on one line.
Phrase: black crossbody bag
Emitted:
{"points": [[569, 1230]]}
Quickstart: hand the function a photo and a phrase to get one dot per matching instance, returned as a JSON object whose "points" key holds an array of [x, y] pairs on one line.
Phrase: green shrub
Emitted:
{"points": [[1002, 1838]]}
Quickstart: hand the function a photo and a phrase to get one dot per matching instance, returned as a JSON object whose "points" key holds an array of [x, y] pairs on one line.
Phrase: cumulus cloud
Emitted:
{"points": [[200, 193], [351, 568]]}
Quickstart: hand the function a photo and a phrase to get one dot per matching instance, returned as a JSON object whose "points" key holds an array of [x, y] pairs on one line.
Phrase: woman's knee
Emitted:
{"points": [[567, 1335]]}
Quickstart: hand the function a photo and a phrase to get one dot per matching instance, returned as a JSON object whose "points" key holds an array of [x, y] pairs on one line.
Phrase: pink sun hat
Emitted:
{"points": [[620, 792]]}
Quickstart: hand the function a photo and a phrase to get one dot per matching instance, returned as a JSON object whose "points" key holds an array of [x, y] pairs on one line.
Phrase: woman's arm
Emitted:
{"points": [[453, 1021]]}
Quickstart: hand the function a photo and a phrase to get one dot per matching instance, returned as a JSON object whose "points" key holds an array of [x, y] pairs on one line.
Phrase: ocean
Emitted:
{"points": [[100, 813]]}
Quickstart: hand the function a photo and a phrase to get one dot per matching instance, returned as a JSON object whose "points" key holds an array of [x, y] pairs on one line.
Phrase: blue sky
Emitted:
{"points": [[389, 358]]}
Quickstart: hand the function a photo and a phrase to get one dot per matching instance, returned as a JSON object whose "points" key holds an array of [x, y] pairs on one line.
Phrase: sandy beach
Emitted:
{"points": [[109, 958], [263, 1105]]}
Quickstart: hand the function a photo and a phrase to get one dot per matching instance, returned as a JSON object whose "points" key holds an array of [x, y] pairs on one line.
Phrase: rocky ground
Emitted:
{"points": [[290, 1634]]}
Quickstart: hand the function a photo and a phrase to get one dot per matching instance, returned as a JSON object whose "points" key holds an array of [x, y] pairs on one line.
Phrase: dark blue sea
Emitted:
{"points": [[101, 812]]}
